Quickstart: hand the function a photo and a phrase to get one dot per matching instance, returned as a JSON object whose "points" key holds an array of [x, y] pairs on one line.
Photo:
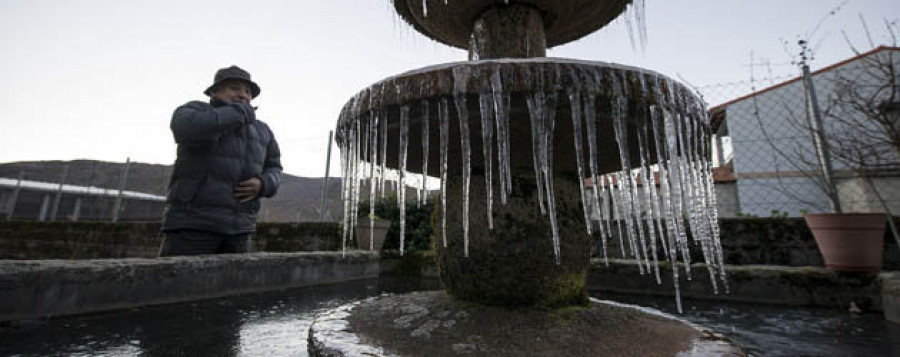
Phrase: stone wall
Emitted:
{"points": [[37, 289], [765, 241], [777, 285], [101, 240]]}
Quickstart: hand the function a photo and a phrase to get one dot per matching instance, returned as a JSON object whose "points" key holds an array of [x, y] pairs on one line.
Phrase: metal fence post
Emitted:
{"points": [[59, 192], [823, 153], [15, 196], [77, 210], [324, 205], [45, 205], [118, 204]]}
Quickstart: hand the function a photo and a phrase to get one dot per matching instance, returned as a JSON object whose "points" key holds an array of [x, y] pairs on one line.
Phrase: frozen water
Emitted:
{"points": [[401, 196], [444, 117], [461, 77], [423, 193], [485, 100]]}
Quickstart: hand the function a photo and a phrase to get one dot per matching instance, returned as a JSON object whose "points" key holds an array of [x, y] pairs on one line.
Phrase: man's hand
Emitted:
{"points": [[246, 110], [246, 191]]}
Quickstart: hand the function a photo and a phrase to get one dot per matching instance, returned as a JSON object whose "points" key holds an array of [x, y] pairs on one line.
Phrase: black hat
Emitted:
{"points": [[233, 72]]}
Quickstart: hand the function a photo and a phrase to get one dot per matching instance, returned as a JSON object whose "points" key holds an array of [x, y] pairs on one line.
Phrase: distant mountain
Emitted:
{"points": [[298, 198]]}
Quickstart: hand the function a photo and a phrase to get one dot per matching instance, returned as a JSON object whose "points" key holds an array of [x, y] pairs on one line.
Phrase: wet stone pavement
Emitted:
{"points": [[276, 324]]}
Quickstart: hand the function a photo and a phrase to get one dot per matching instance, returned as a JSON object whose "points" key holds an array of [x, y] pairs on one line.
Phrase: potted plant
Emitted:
{"points": [[861, 115], [849, 242]]}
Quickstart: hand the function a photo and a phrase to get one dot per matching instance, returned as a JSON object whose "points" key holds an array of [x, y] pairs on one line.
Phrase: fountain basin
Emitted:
{"points": [[451, 23]]}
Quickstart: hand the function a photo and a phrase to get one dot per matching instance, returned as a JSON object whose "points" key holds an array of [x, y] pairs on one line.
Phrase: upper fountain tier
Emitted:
{"points": [[508, 28]]}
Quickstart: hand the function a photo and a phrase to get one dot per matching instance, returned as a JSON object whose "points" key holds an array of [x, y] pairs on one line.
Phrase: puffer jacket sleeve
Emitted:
{"points": [[199, 121], [271, 175]]}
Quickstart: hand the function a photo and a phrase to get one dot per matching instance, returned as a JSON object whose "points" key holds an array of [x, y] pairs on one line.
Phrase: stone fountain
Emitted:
{"points": [[525, 148]]}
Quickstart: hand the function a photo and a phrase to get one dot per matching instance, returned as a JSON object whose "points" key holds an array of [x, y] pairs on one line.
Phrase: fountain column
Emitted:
{"points": [[513, 31], [514, 264]]}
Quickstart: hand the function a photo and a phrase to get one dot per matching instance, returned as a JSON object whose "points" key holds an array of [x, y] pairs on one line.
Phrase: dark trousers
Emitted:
{"points": [[193, 242]]}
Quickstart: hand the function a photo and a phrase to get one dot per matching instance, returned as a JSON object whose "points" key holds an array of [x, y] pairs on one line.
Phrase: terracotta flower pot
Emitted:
{"points": [[850, 242], [365, 231]]}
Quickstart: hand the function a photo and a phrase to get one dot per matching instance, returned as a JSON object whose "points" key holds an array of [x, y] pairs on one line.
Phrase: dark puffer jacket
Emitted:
{"points": [[219, 146]]}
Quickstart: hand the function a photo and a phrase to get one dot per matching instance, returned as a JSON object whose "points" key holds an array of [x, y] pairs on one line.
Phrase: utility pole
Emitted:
{"points": [[324, 205], [117, 206], [823, 153]]}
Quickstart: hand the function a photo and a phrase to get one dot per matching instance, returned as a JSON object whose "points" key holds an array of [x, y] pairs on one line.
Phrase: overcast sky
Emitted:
{"points": [[99, 79]]}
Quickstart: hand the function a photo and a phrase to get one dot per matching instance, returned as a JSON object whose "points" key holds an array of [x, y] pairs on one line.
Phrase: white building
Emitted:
{"points": [[772, 153]]}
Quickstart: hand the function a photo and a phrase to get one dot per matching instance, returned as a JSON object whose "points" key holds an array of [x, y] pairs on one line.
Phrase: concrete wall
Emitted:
{"points": [[727, 201], [40, 288], [98, 240]]}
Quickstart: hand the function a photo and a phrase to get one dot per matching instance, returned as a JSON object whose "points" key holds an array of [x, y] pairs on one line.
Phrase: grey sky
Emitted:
{"points": [[99, 79]]}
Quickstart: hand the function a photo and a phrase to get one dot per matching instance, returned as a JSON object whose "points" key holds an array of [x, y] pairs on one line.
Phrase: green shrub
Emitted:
{"points": [[418, 222]]}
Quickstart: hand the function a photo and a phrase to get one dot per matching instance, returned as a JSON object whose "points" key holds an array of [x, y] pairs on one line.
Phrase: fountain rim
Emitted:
{"points": [[500, 61], [362, 102]]}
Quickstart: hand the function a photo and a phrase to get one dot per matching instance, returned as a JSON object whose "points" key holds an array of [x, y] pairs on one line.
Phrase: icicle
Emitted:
{"points": [[640, 15], [401, 186], [383, 156], [590, 120], [425, 132], [575, 104], [622, 184], [626, 16], [345, 192], [485, 105], [549, 128], [425, 8], [676, 174], [542, 110], [362, 144], [354, 195], [660, 119], [536, 115], [648, 181], [373, 133], [460, 82], [501, 116], [444, 121]]}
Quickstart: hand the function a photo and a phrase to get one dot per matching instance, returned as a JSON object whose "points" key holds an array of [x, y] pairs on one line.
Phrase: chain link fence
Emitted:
{"points": [[82, 190], [89, 190], [767, 157]]}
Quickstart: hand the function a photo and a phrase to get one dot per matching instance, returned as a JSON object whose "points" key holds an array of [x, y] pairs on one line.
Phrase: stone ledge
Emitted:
{"points": [[42, 288]]}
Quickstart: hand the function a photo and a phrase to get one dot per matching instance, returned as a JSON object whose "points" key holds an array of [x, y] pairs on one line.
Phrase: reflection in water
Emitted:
{"points": [[778, 331], [276, 324], [271, 324]]}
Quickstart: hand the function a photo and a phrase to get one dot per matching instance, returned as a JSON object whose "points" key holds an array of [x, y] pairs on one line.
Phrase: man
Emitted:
{"points": [[227, 160]]}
